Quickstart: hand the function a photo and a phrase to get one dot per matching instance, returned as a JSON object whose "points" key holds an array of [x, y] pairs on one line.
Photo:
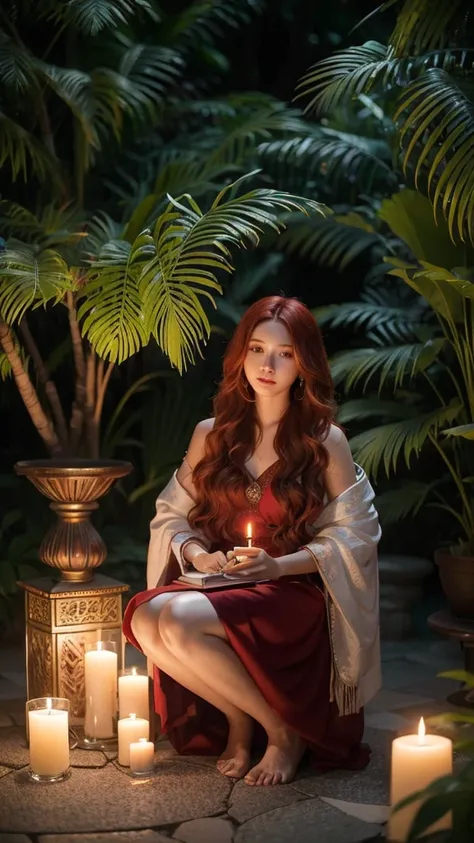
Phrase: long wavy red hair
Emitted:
{"points": [[220, 477]]}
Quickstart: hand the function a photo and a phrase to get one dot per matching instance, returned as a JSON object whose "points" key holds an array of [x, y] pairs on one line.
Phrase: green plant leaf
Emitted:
{"points": [[30, 278], [92, 16], [464, 430], [385, 445], [405, 502]]}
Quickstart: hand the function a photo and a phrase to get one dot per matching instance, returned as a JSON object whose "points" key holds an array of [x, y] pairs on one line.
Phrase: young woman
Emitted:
{"points": [[287, 664]]}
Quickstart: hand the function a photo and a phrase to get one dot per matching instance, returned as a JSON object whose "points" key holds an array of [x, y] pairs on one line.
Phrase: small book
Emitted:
{"points": [[200, 580]]}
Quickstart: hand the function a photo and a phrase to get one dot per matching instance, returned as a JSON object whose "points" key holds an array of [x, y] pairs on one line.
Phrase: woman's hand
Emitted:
{"points": [[209, 563], [258, 563]]}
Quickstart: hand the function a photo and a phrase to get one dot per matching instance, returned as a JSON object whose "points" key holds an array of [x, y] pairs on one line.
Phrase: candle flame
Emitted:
{"points": [[142, 740], [49, 703], [99, 645], [133, 716], [134, 671], [421, 731], [249, 530]]}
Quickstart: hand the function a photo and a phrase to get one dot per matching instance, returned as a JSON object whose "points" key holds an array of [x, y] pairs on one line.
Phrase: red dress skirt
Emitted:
{"points": [[279, 630]]}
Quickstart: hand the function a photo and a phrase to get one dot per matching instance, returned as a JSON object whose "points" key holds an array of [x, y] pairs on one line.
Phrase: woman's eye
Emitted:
{"points": [[287, 354], [256, 348]]}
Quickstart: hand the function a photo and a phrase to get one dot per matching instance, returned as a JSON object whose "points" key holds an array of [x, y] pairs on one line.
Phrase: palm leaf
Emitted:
{"points": [[338, 156], [22, 150], [188, 246], [17, 66], [388, 323], [385, 445], [397, 363], [30, 278], [92, 16], [438, 125], [424, 25], [111, 310], [405, 502], [146, 73], [101, 229], [203, 21], [372, 407], [357, 70], [333, 241]]}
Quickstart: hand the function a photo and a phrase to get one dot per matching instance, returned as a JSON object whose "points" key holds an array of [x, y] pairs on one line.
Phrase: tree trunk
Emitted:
{"points": [[28, 393]]}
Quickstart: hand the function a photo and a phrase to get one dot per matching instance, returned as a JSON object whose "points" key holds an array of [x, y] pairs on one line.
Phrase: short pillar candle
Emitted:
{"points": [[417, 760], [130, 730], [48, 731], [100, 679], [142, 756]]}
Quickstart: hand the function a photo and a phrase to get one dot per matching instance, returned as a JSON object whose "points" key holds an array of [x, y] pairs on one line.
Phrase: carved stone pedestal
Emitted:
{"points": [[60, 618]]}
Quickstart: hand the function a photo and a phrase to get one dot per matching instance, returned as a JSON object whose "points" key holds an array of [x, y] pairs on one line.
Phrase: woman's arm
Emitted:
{"points": [[191, 548], [339, 475]]}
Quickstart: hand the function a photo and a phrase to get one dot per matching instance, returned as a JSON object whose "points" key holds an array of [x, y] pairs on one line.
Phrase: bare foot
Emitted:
{"points": [[280, 762], [235, 760]]}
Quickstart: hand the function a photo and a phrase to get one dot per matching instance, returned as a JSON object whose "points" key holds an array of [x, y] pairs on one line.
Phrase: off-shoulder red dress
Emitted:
{"points": [[279, 630]]}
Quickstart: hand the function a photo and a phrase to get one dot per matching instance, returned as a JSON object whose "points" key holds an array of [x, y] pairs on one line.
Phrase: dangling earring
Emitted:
{"points": [[242, 387], [302, 386]]}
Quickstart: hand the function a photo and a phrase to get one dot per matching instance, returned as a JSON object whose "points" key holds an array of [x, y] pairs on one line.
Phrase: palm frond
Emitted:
{"points": [[372, 407], [48, 228], [17, 66], [438, 133], [425, 25], [357, 70], [92, 16], [30, 278], [402, 502], [230, 141], [100, 230], [333, 241], [394, 363], [385, 445], [390, 324], [339, 157], [188, 246], [204, 21], [111, 311], [146, 72], [21, 151]]}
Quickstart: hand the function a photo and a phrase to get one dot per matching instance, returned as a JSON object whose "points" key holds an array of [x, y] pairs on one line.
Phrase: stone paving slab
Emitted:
{"points": [[207, 830], [99, 800], [247, 802], [306, 822], [146, 835]]}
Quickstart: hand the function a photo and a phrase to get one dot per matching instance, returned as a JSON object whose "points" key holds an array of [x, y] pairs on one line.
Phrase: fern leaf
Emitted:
{"points": [[92, 16], [424, 25], [397, 363], [329, 241]]}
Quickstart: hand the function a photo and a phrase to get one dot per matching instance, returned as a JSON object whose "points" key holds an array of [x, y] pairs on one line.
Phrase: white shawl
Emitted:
{"points": [[344, 548]]}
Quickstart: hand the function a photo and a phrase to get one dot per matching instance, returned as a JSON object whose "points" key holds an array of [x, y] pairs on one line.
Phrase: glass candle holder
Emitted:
{"points": [[133, 694], [142, 757], [100, 682], [48, 732]]}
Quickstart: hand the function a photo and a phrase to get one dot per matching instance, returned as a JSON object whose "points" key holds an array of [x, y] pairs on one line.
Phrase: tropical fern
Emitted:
{"points": [[394, 364], [334, 241]]}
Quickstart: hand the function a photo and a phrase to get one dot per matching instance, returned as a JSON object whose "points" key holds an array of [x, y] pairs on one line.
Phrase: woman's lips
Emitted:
{"points": [[266, 380]]}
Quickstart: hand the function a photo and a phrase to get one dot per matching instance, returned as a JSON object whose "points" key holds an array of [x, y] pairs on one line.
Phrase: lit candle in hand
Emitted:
{"points": [[249, 534]]}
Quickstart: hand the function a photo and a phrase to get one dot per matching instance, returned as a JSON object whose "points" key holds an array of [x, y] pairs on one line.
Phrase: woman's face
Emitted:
{"points": [[270, 364]]}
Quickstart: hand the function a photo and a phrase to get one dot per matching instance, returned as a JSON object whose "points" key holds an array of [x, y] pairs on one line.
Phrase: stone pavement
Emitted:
{"points": [[188, 800]]}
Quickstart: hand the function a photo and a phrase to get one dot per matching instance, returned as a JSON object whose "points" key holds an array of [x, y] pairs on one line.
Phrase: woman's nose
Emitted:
{"points": [[268, 365]]}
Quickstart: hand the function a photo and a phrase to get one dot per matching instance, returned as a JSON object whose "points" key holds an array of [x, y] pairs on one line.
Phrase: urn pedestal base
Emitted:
{"points": [[60, 618]]}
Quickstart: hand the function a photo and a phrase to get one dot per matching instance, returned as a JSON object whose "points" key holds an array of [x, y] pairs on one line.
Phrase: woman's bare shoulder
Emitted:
{"points": [[340, 472], [197, 444]]}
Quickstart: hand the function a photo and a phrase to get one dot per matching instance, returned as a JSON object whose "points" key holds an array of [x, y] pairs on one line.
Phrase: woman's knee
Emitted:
{"points": [[179, 622], [145, 619]]}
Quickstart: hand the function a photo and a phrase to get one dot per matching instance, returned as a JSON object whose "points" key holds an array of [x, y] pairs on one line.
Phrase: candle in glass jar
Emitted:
{"points": [[49, 740], [417, 760], [100, 678], [142, 756], [130, 730], [133, 695]]}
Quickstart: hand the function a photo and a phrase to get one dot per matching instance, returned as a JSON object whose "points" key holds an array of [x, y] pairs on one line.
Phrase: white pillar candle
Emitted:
{"points": [[133, 695], [417, 760], [49, 741], [142, 756], [100, 676], [130, 730]]}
